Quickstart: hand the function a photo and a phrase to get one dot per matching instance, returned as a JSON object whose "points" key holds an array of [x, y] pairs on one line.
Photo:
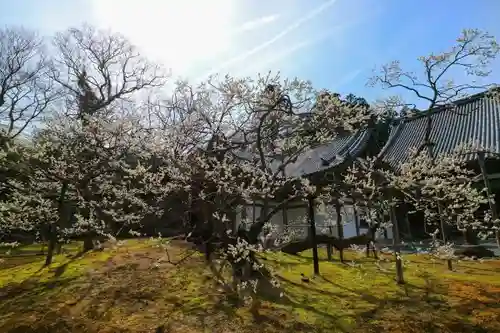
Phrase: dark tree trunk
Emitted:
{"points": [[53, 228], [396, 245], [372, 232], [88, 243], [51, 246], [312, 224], [208, 238], [443, 234], [470, 237]]}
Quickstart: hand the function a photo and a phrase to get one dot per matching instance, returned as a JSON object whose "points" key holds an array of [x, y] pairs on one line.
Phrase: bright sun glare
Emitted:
{"points": [[179, 33]]}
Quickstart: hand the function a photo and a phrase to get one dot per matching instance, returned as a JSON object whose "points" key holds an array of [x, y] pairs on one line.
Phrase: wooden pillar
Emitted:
{"points": [[340, 229], [356, 218], [285, 215], [253, 212], [487, 185], [312, 235], [329, 247]]}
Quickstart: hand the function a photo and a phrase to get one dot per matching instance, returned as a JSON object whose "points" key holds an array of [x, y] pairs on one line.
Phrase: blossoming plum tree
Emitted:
{"points": [[85, 180], [441, 188], [87, 158], [437, 84], [249, 133]]}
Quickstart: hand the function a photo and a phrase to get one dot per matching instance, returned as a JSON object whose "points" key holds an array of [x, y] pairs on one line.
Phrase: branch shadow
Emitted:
{"points": [[443, 263], [18, 260], [23, 296], [366, 297]]}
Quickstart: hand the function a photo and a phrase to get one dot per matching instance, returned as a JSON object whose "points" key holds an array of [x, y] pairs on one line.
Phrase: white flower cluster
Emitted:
{"points": [[441, 250], [442, 188]]}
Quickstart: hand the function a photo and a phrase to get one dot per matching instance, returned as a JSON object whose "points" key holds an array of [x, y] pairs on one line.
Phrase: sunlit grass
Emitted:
{"points": [[124, 290]]}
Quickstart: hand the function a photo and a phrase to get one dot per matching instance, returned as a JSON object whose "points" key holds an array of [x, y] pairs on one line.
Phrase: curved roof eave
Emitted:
{"points": [[353, 147]]}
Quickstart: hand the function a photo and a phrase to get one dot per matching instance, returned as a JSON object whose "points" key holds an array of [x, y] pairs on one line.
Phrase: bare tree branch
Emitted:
{"points": [[100, 69], [474, 52], [26, 90]]}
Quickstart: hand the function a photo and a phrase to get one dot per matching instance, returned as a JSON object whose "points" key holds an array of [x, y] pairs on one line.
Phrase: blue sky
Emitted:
{"points": [[336, 44]]}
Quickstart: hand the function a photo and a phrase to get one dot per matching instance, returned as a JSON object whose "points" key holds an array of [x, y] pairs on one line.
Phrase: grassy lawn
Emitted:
{"points": [[122, 290]]}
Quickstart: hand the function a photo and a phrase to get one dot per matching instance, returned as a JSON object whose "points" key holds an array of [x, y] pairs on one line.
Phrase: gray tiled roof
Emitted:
{"points": [[475, 119], [329, 155], [325, 156]]}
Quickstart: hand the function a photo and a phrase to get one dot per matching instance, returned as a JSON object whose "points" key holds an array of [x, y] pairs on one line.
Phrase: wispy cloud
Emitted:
{"points": [[307, 17], [259, 65], [257, 23], [349, 77]]}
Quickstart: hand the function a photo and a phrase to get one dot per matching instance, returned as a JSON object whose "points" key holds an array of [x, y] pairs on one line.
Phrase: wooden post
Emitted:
{"points": [[356, 217], [340, 229], [285, 215], [329, 247], [253, 212], [396, 244], [329, 251], [312, 235], [487, 185]]}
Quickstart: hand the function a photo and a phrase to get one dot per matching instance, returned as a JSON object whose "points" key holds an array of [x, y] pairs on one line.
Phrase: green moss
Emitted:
{"points": [[63, 266], [344, 293], [38, 248], [357, 297]]}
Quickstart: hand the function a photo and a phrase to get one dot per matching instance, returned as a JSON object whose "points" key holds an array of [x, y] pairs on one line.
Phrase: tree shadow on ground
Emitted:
{"points": [[30, 291], [433, 310], [330, 320], [443, 308], [461, 265], [19, 259], [159, 297]]}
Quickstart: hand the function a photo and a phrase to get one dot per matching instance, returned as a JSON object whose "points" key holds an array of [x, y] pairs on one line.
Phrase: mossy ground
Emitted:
{"points": [[121, 290]]}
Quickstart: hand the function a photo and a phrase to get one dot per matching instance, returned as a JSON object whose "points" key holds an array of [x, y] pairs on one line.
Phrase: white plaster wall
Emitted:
{"points": [[298, 220], [277, 219]]}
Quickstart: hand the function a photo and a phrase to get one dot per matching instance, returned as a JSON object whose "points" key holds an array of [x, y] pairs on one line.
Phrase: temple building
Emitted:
{"points": [[475, 119]]}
